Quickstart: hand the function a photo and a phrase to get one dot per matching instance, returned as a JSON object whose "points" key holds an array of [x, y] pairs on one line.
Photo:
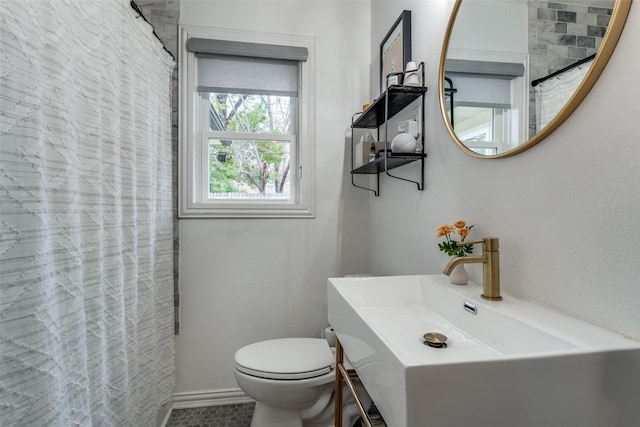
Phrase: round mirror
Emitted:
{"points": [[512, 71]]}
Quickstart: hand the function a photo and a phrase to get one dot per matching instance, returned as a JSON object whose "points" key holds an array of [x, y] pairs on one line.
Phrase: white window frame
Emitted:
{"points": [[193, 201]]}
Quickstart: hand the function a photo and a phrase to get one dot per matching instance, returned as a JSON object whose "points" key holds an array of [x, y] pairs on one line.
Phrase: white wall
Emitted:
{"points": [[566, 211], [243, 281], [494, 33]]}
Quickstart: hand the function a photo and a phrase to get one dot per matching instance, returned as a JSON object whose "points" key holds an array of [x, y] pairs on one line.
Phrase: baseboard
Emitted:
{"points": [[210, 398], [163, 415]]}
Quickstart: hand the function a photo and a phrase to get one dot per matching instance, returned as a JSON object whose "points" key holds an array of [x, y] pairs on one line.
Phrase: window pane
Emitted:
{"points": [[249, 169], [480, 123], [252, 113]]}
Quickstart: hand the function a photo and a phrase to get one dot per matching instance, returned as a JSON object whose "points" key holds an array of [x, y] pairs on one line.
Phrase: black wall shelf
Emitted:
{"points": [[399, 98], [391, 102], [393, 161]]}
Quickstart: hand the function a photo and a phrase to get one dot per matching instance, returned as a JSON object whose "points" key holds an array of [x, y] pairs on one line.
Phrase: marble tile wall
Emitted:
{"points": [[164, 15], [560, 34]]}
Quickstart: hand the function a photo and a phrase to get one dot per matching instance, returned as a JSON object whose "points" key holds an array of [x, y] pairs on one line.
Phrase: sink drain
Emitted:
{"points": [[435, 340]]}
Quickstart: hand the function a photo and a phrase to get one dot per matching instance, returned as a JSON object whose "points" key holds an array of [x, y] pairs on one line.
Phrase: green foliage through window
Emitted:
{"points": [[247, 166]]}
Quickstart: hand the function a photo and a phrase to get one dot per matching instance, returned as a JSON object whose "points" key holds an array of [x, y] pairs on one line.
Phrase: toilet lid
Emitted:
{"points": [[286, 358]]}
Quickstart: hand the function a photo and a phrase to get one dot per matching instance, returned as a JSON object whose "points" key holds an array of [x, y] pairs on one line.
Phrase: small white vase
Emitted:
{"points": [[459, 275]]}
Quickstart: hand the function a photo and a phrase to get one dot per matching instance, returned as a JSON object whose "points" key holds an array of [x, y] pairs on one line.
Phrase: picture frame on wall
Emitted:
{"points": [[395, 49]]}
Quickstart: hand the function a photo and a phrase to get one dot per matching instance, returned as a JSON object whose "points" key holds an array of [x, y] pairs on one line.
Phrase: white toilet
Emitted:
{"points": [[292, 381]]}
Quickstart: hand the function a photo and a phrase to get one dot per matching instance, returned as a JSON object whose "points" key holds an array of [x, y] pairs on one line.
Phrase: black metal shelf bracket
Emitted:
{"points": [[375, 191]]}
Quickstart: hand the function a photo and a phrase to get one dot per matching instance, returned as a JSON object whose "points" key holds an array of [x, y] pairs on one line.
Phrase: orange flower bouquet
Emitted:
{"points": [[451, 246]]}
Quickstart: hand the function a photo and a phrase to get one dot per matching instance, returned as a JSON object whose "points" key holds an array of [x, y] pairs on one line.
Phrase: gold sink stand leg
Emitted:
{"points": [[339, 359], [344, 375]]}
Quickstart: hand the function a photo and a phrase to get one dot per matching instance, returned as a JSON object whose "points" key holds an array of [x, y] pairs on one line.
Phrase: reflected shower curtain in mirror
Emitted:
{"points": [[86, 258], [553, 94]]}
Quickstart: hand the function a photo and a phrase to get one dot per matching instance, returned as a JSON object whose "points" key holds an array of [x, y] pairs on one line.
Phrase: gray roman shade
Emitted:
{"points": [[506, 70], [477, 91], [253, 50], [483, 83], [247, 68]]}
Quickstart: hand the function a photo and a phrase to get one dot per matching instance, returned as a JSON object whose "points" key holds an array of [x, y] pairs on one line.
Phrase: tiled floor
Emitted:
{"points": [[213, 416]]}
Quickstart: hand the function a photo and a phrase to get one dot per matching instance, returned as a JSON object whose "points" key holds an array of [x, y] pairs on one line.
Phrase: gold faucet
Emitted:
{"points": [[490, 260]]}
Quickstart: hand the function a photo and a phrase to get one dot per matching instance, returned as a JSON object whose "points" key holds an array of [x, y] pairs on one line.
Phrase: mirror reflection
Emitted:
{"points": [[511, 66]]}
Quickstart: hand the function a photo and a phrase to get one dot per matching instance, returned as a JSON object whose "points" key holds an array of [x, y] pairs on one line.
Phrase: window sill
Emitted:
{"points": [[245, 212]]}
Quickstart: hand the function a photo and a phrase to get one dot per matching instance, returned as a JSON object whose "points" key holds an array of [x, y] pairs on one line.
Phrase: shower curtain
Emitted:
{"points": [[553, 94], [86, 259]]}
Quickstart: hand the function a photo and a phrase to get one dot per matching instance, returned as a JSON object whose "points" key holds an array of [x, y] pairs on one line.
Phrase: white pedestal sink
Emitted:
{"points": [[512, 363]]}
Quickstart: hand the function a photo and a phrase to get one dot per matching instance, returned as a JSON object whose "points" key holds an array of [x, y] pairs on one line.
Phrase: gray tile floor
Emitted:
{"points": [[213, 416]]}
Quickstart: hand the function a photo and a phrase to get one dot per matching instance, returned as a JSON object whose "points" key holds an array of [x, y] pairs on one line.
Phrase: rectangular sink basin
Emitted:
{"points": [[505, 363]]}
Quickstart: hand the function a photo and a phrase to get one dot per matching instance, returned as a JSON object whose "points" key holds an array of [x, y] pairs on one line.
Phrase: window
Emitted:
{"points": [[489, 102], [247, 148], [482, 129]]}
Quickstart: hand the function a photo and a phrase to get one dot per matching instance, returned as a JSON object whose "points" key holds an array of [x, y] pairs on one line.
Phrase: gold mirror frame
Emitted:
{"points": [[614, 29]]}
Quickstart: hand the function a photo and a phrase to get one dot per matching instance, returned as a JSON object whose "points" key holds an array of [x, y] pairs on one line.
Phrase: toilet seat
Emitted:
{"points": [[286, 359]]}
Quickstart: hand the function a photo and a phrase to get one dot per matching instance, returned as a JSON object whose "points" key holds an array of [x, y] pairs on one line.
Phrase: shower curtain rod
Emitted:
{"points": [[536, 82], [138, 10]]}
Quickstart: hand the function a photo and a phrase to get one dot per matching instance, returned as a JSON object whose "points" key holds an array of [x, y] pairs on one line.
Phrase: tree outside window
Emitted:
{"points": [[244, 166]]}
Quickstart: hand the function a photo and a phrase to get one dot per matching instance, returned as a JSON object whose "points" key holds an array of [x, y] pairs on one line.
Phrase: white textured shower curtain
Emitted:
{"points": [[553, 94], [86, 259]]}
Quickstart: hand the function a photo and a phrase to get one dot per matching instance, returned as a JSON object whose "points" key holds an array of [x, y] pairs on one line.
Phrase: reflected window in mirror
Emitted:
{"points": [[493, 90], [488, 105]]}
